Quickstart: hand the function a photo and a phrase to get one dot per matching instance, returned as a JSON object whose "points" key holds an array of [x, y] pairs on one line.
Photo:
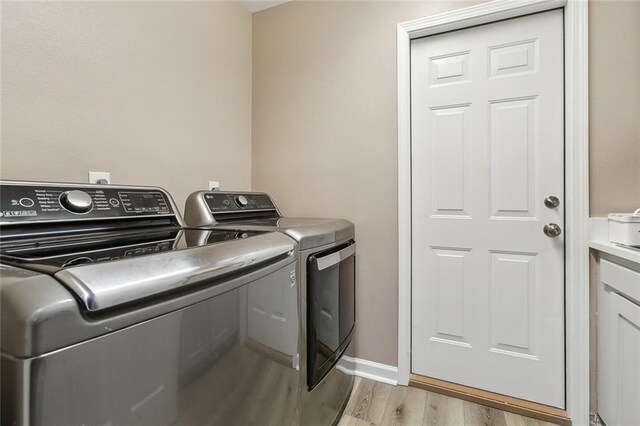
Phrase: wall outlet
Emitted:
{"points": [[214, 185], [100, 177]]}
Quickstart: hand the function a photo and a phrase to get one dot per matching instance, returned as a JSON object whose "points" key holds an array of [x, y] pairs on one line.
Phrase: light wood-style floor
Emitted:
{"points": [[375, 403]]}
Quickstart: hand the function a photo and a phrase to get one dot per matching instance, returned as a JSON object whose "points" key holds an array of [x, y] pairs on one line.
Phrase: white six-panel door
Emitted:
{"points": [[487, 149]]}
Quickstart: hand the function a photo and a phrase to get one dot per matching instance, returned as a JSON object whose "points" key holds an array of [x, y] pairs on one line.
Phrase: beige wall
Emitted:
{"points": [[154, 92], [324, 128], [324, 134], [614, 50]]}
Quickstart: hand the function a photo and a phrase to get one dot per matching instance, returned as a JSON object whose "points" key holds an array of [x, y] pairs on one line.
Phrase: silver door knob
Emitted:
{"points": [[552, 230], [552, 201]]}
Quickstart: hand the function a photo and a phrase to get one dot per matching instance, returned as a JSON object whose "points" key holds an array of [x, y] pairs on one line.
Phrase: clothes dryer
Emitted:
{"points": [[326, 294]]}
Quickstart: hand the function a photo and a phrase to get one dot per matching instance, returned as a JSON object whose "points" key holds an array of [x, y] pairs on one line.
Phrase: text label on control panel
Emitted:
{"points": [[22, 203]]}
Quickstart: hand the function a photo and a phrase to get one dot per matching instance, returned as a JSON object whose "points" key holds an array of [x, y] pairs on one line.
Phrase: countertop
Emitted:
{"points": [[599, 240]]}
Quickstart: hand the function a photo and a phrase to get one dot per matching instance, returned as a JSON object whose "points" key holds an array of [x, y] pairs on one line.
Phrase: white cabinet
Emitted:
{"points": [[619, 343]]}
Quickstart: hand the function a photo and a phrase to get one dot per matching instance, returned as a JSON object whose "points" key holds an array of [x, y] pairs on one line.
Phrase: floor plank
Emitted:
{"points": [[368, 401], [374, 403], [405, 407], [381, 395], [475, 414], [516, 420], [442, 410]]}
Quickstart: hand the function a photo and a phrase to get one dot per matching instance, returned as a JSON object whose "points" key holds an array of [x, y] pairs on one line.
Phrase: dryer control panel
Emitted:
{"points": [[221, 202], [44, 202]]}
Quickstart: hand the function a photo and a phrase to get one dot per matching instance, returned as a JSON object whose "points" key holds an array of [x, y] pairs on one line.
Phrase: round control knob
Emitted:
{"points": [[241, 201], [76, 201]]}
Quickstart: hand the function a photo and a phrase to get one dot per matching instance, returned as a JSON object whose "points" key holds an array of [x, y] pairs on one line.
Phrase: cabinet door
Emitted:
{"points": [[606, 379], [625, 367]]}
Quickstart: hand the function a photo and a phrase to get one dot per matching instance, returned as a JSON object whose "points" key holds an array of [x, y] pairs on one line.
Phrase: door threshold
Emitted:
{"points": [[491, 399]]}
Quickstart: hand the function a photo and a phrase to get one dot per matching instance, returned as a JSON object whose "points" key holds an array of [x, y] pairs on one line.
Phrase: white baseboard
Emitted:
{"points": [[369, 369]]}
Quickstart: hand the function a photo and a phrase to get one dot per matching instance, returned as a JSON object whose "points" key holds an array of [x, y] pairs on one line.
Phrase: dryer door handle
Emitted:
{"points": [[336, 257]]}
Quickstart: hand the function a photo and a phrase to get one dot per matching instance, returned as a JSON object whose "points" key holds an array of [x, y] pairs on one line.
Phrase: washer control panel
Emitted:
{"points": [[228, 202], [24, 202]]}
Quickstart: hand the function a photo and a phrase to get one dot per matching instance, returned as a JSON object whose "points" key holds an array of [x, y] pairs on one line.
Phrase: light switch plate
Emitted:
{"points": [[99, 177]]}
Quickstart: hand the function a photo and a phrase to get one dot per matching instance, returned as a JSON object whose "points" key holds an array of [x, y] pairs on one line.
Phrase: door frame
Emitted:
{"points": [[576, 74]]}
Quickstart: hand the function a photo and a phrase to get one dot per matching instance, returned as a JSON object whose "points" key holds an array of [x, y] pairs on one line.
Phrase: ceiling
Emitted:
{"points": [[258, 5]]}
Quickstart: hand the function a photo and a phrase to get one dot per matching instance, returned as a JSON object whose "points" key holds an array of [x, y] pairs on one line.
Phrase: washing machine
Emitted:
{"points": [[326, 293], [113, 313]]}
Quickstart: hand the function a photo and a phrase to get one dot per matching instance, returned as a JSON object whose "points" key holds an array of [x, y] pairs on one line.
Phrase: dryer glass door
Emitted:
{"points": [[331, 308]]}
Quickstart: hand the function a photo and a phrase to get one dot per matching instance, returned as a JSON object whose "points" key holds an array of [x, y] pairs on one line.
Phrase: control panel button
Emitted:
{"points": [[76, 201], [26, 202], [241, 201], [114, 202]]}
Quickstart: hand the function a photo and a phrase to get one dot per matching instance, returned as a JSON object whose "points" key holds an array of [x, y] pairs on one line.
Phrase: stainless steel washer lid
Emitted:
{"points": [[106, 285], [308, 232], [39, 314]]}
